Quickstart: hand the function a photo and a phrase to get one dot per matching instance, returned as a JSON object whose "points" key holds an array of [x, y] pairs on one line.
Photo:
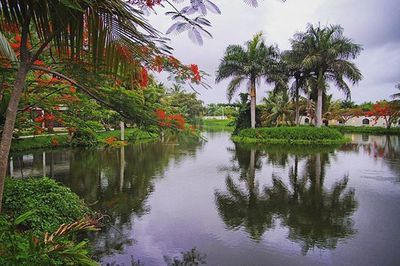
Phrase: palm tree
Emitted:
{"points": [[251, 63], [93, 30], [278, 108], [292, 60], [396, 95], [327, 54]]}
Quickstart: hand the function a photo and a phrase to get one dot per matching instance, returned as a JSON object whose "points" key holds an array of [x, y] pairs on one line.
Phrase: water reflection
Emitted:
{"points": [[115, 182], [315, 216]]}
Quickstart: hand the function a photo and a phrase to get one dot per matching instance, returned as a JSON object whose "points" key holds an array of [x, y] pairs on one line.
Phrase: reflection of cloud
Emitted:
{"points": [[372, 23]]}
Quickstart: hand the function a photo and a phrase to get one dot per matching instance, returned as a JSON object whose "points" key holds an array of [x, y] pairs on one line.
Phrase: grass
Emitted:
{"points": [[291, 135], [368, 130], [217, 124], [134, 135], [39, 142]]}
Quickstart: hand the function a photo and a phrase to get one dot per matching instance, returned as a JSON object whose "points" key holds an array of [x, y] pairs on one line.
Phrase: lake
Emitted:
{"points": [[230, 204]]}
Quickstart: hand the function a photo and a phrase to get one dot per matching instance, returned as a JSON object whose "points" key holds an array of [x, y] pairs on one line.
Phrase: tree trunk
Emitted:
{"points": [[318, 171], [251, 172], [9, 124], [318, 109], [253, 103], [297, 106]]}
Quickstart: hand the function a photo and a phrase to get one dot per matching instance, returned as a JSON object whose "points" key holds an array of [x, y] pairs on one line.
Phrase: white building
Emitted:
{"points": [[368, 121]]}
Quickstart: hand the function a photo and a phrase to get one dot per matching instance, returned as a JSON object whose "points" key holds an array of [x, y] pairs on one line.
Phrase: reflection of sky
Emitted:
{"points": [[183, 212], [181, 217]]}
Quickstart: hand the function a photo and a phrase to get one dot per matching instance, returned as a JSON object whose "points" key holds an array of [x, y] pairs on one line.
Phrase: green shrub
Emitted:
{"points": [[368, 130], [84, 137], [53, 203], [300, 135], [243, 121]]}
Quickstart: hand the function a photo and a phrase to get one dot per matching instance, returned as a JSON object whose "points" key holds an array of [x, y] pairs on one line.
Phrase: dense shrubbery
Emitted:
{"points": [[40, 222], [242, 121], [53, 203], [368, 130], [300, 135], [84, 138]]}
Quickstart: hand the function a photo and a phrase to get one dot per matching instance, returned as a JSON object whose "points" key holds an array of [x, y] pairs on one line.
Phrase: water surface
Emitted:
{"points": [[237, 204]]}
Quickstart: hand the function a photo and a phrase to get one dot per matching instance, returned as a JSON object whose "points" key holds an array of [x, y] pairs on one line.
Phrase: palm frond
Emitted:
{"points": [[5, 49]]}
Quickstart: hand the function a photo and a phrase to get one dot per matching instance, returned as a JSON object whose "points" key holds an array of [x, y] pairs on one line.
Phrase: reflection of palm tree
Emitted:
{"points": [[315, 216], [247, 208]]}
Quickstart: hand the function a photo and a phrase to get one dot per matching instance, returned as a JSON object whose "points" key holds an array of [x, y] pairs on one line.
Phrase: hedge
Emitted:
{"points": [[290, 135]]}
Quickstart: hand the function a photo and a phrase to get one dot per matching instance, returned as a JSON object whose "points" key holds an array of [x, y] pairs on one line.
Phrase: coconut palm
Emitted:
{"points": [[252, 63], [327, 54], [278, 109], [72, 29]]}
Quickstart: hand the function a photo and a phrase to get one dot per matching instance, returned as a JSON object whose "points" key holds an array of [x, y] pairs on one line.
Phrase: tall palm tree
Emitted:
{"points": [[328, 54], [252, 63], [74, 29]]}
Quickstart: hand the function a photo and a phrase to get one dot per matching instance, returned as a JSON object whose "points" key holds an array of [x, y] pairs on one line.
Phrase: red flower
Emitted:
{"points": [[54, 142], [173, 61], [72, 89], [38, 63], [39, 119], [158, 64], [196, 73], [144, 77]]}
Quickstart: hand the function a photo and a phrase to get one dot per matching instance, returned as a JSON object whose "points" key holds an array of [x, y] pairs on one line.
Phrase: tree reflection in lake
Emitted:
{"points": [[115, 182], [315, 216]]}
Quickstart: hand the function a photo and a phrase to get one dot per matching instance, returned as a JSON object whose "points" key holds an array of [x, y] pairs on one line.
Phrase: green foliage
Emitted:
{"points": [[242, 121], [185, 103], [39, 142], [53, 204], [278, 109], [20, 247], [217, 124], [368, 130], [296, 135], [131, 134], [84, 137]]}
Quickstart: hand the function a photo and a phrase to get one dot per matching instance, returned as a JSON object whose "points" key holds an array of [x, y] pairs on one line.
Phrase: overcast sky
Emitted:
{"points": [[375, 24]]}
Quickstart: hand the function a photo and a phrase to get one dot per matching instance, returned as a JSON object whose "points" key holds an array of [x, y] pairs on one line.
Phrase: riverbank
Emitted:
{"points": [[368, 130], [217, 124], [39, 224], [290, 135], [132, 135]]}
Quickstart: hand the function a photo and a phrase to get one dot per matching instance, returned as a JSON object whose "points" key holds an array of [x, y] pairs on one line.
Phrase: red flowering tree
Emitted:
{"points": [[389, 111]]}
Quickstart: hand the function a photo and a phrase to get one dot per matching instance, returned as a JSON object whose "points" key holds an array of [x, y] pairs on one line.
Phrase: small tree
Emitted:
{"points": [[389, 111]]}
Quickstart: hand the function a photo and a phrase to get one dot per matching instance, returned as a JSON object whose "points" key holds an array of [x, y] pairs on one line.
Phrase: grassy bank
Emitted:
{"points": [[368, 130], [216, 124], [134, 135], [290, 135], [31, 224]]}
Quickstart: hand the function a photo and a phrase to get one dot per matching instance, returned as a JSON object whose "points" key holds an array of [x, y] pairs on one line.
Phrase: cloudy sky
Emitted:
{"points": [[375, 24]]}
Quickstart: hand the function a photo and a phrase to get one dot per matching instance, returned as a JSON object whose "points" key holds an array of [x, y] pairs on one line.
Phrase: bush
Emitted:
{"points": [[53, 203], [299, 135], [243, 121], [40, 222], [84, 138], [368, 130]]}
